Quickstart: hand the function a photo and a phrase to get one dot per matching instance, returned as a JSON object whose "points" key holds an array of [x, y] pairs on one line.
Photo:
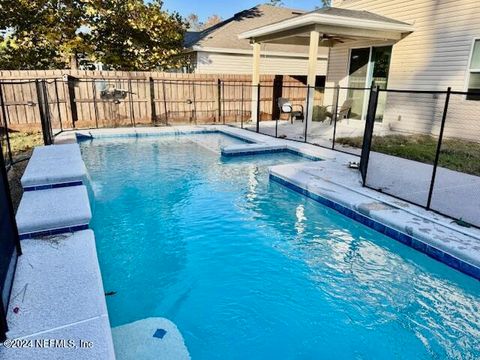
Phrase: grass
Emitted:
{"points": [[22, 144], [455, 154]]}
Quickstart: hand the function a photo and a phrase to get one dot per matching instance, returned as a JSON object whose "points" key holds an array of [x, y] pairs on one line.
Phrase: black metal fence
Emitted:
{"points": [[38, 117], [9, 246], [425, 150], [337, 120]]}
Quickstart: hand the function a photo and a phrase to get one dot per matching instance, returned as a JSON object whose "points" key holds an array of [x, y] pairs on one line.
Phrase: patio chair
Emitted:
{"points": [[343, 112], [286, 107]]}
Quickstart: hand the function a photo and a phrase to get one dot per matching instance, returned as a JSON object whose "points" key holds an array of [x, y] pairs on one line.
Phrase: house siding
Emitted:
{"points": [[433, 57], [218, 63]]}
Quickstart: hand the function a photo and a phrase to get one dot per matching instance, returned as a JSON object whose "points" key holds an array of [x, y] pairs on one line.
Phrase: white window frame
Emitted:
{"points": [[470, 71], [369, 78]]}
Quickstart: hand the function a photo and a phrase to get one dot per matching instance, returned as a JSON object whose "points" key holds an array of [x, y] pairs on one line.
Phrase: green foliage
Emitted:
{"points": [[276, 3], [41, 34], [122, 34], [132, 35], [455, 154]]}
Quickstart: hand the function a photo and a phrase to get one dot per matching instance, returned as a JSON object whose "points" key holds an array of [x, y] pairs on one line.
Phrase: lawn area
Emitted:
{"points": [[22, 144], [456, 154]]}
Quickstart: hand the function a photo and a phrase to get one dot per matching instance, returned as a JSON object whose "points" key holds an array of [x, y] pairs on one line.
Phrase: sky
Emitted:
{"points": [[226, 8]]}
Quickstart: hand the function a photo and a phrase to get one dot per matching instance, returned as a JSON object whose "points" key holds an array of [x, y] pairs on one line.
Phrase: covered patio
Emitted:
{"points": [[326, 27]]}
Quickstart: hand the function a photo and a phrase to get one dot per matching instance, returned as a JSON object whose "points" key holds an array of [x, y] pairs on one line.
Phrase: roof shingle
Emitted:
{"points": [[225, 34]]}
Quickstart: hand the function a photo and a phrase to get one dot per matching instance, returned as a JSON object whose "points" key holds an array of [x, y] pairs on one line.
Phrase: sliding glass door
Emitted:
{"points": [[367, 66]]}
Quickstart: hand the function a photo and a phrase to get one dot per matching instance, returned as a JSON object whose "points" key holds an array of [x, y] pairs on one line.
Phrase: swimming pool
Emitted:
{"points": [[249, 269]]}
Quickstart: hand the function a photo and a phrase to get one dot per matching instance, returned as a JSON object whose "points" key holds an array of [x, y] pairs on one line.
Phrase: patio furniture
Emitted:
{"points": [[286, 107], [343, 112]]}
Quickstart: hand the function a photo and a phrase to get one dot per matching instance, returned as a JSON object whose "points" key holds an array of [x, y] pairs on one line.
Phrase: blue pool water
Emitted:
{"points": [[248, 269]]}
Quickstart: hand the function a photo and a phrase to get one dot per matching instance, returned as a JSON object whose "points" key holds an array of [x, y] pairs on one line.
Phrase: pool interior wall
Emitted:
{"points": [[248, 268]]}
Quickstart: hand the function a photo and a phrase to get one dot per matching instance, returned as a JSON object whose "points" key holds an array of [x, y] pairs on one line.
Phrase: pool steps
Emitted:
{"points": [[258, 149], [159, 338], [251, 149], [53, 167], [57, 293], [53, 211]]}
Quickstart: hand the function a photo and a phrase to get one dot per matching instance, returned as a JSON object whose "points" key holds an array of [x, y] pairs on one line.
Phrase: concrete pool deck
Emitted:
{"points": [[54, 166], [58, 294]]}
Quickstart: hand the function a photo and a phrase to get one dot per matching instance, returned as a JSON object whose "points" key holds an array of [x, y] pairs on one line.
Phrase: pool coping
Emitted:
{"points": [[467, 261], [58, 293], [378, 223]]}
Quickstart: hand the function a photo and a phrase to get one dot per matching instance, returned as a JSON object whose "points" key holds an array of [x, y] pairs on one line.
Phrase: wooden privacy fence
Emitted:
{"points": [[83, 99]]}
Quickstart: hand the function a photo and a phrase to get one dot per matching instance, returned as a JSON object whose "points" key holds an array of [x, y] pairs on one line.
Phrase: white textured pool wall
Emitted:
{"points": [[57, 292], [53, 180], [333, 184]]}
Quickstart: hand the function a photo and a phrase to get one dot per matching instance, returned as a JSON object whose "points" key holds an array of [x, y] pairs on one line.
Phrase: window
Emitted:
{"points": [[474, 70], [368, 66]]}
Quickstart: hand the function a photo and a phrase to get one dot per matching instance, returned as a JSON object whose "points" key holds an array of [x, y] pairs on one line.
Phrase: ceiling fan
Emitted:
{"points": [[330, 40]]}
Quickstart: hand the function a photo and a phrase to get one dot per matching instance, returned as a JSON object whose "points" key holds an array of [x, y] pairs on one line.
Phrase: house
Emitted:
{"points": [[411, 44], [218, 50]]}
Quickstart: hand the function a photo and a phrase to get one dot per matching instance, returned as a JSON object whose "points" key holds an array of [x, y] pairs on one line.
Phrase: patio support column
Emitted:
{"points": [[255, 79], [312, 72]]}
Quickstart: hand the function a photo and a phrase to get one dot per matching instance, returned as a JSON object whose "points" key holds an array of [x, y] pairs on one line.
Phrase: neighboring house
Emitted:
{"points": [[408, 44], [218, 50]]}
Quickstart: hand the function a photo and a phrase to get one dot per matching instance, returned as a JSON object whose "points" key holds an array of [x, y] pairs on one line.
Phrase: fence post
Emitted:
{"points": [[368, 133], [258, 108], [241, 112], [43, 110], [5, 124], [219, 98], [58, 105], [305, 117], [130, 101], [439, 147], [223, 102], [152, 100], [335, 115], [165, 102], [95, 105], [71, 95]]}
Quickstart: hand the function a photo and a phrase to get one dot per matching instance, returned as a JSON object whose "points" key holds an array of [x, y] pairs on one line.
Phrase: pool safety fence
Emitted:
{"points": [[423, 147], [9, 247]]}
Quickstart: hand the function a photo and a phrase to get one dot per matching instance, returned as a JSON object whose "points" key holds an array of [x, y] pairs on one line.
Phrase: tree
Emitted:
{"points": [[326, 3], [41, 34], [122, 34], [276, 2], [212, 20], [133, 35], [194, 24]]}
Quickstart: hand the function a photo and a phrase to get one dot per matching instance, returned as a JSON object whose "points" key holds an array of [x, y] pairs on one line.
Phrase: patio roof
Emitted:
{"points": [[331, 22]]}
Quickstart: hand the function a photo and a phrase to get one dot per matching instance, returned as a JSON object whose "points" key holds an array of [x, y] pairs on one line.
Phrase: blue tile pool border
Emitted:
{"points": [[406, 239], [272, 151], [83, 137], [68, 229], [53, 186]]}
